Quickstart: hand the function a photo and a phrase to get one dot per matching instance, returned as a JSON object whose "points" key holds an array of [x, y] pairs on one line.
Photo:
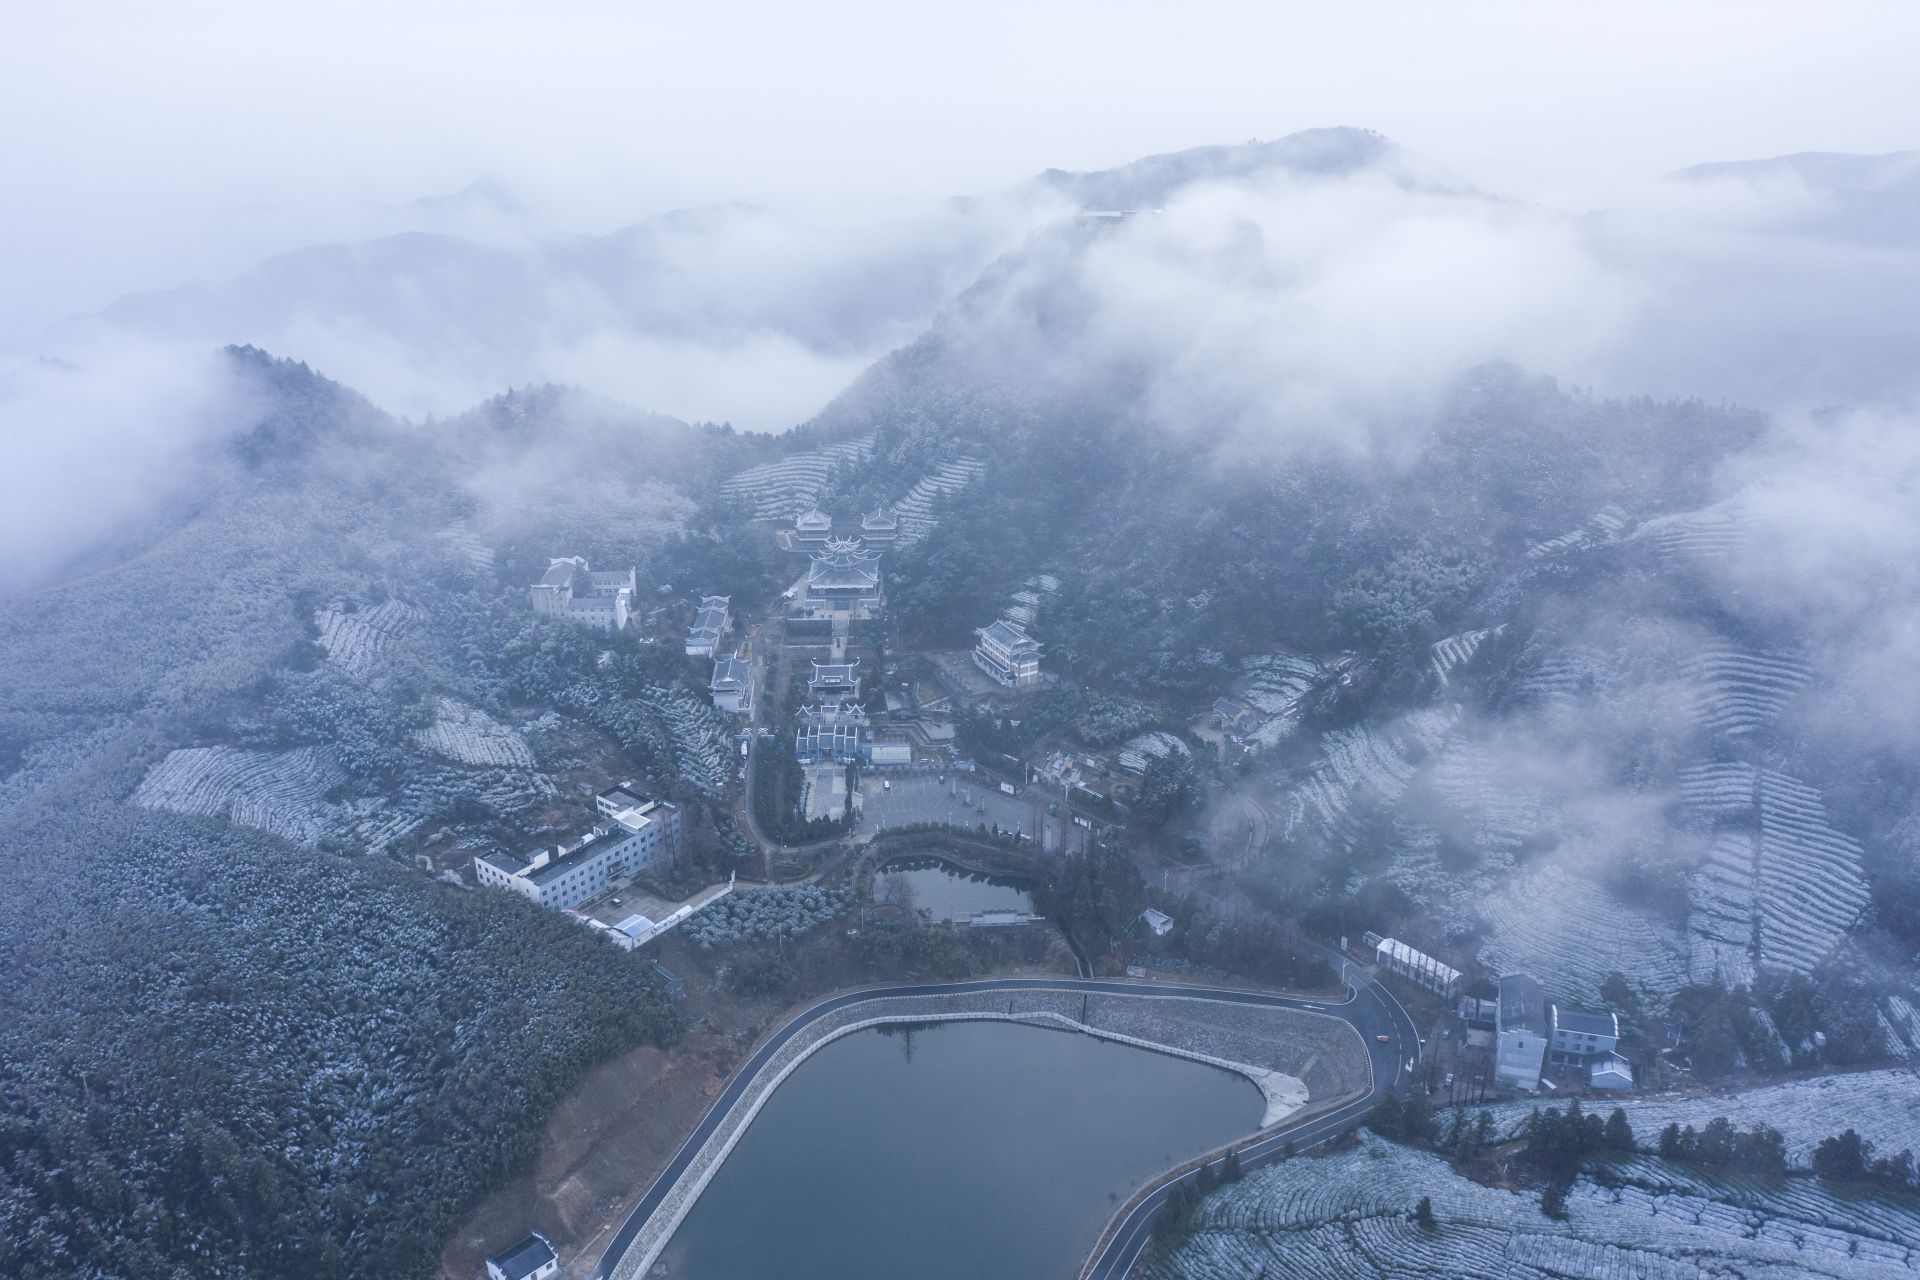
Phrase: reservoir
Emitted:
{"points": [[947, 892], [951, 1152]]}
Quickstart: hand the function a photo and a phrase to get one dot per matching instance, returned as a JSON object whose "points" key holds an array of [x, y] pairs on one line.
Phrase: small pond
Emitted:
{"points": [[953, 1151], [947, 892]]}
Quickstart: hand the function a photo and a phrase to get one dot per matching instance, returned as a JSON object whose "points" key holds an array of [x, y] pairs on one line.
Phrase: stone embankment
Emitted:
{"points": [[1291, 1055]]}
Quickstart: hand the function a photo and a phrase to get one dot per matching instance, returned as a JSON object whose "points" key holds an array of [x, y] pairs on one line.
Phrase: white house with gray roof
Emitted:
{"points": [[732, 685], [577, 594], [1008, 654]]}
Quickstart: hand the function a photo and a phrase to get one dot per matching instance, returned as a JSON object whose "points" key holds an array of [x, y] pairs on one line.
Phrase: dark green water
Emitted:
{"points": [[964, 1151], [947, 892]]}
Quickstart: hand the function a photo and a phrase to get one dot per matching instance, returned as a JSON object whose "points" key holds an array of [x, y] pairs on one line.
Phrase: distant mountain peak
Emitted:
{"points": [[1151, 180]]}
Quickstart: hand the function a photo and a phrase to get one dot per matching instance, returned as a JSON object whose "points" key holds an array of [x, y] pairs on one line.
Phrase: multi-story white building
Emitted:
{"points": [[1008, 654], [633, 834], [572, 591], [1581, 1037], [709, 625], [732, 685], [1521, 1033]]}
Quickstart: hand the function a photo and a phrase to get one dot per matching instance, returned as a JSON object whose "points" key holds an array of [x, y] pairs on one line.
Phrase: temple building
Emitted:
{"points": [[832, 732], [811, 529], [571, 591], [709, 624], [1008, 654], [880, 529], [834, 681], [732, 685], [843, 575]]}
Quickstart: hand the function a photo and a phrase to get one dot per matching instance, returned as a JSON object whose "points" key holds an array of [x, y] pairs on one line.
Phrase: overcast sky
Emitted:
{"points": [[146, 145]]}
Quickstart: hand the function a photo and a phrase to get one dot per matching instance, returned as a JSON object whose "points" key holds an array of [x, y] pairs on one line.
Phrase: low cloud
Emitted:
{"points": [[95, 446]]}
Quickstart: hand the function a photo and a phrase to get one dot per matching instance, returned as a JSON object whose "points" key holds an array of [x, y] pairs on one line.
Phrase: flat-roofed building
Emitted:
{"points": [[1008, 654], [571, 591], [632, 834], [1520, 1032]]}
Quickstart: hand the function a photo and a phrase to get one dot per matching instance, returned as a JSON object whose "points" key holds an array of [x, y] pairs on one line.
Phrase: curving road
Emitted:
{"points": [[1369, 1009]]}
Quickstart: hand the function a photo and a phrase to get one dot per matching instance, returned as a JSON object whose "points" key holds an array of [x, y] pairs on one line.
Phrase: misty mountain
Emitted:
{"points": [[1149, 182], [1868, 200]]}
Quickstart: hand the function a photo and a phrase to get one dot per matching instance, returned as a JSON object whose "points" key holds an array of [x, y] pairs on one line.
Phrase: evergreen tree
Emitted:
{"points": [[1843, 1157], [1423, 1213], [1618, 1135]]}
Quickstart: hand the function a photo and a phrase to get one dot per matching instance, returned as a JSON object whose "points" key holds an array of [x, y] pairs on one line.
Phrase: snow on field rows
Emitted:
{"points": [[1151, 745], [916, 510], [1489, 806], [1709, 535], [700, 736], [278, 791], [460, 540], [1881, 1106], [1450, 653], [1274, 685], [1811, 888], [1605, 526], [356, 640], [1777, 876], [1571, 933], [469, 735], [1350, 1215], [1741, 692], [1720, 913], [1361, 760], [1564, 676], [787, 487]]}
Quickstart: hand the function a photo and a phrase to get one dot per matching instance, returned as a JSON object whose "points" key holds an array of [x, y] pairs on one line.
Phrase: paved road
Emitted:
{"points": [[1371, 1010]]}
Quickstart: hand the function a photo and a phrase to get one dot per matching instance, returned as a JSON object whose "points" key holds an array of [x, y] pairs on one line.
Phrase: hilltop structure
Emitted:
{"points": [[572, 591], [880, 529], [633, 833], [1008, 654], [811, 529], [844, 576], [709, 625]]}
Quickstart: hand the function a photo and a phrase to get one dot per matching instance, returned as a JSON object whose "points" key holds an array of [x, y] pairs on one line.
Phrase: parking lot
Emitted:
{"points": [[923, 797]]}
